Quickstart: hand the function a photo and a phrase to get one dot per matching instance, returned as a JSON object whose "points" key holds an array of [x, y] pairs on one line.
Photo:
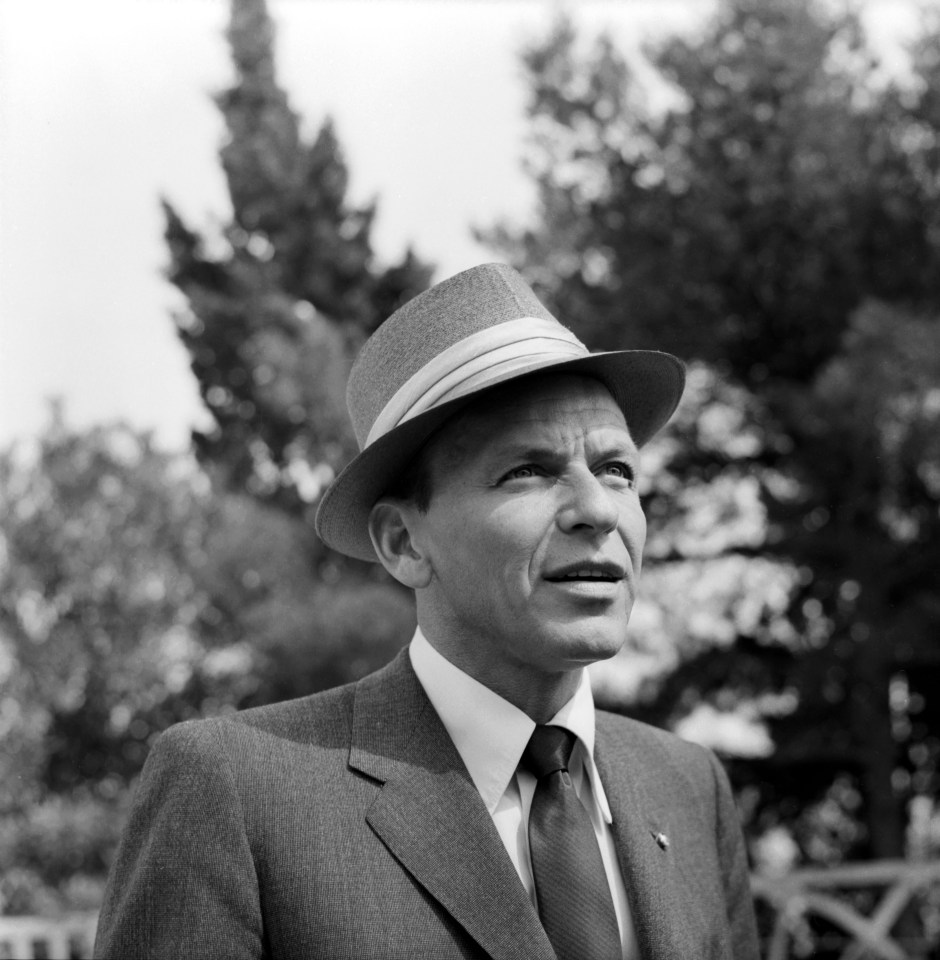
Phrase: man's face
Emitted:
{"points": [[534, 530]]}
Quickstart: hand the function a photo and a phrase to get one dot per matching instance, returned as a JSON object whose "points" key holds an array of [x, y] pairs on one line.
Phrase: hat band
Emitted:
{"points": [[488, 356]]}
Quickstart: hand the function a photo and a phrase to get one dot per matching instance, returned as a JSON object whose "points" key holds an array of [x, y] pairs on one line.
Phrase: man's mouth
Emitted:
{"points": [[592, 573]]}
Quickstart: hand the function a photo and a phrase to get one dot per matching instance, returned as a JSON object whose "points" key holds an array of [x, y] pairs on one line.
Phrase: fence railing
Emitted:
{"points": [[42, 938], [860, 904]]}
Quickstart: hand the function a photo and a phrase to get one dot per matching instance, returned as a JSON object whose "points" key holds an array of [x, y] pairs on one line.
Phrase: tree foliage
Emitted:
{"points": [[776, 223], [102, 628], [784, 189], [278, 301]]}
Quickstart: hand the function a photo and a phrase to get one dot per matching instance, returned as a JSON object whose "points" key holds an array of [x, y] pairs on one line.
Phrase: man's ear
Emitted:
{"points": [[392, 526]]}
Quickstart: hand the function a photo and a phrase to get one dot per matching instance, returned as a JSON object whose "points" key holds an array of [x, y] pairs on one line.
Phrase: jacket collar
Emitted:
{"points": [[431, 817]]}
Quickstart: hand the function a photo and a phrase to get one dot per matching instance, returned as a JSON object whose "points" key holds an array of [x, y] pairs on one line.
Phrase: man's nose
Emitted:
{"points": [[589, 505]]}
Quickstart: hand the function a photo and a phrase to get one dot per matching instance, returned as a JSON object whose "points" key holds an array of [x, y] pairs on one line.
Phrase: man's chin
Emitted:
{"points": [[585, 650]]}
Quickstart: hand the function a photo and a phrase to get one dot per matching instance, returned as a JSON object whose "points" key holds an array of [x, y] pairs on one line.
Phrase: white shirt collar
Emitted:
{"points": [[489, 732]]}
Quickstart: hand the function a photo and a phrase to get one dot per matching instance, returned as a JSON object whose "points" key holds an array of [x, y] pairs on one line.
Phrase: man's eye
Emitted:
{"points": [[618, 469], [522, 473]]}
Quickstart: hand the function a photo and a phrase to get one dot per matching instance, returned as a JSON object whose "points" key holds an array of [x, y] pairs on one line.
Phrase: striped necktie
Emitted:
{"points": [[571, 886]]}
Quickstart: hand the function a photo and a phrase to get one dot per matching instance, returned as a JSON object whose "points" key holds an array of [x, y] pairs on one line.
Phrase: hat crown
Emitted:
{"points": [[432, 322]]}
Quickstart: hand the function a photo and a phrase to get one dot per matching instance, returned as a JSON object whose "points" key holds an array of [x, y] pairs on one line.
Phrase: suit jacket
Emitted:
{"points": [[345, 825]]}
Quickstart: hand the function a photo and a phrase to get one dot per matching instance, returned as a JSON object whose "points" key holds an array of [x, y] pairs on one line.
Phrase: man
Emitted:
{"points": [[465, 801]]}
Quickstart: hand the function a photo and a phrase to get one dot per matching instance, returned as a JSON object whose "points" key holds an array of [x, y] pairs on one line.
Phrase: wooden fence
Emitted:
{"points": [[852, 911], [40, 938], [849, 912]]}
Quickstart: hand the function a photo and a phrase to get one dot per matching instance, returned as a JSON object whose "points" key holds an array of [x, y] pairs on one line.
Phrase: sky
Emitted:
{"points": [[105, 106]]}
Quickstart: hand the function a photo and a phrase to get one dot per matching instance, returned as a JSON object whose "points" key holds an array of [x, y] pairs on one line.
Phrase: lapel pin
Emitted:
{"points": [[662, 841]]}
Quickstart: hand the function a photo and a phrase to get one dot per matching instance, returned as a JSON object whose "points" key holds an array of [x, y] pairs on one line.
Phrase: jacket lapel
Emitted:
{"points": [[432, 819], [641, 829]]}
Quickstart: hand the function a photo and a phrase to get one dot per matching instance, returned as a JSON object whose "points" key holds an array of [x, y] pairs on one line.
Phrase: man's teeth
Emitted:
{"points": [[587, 575]]}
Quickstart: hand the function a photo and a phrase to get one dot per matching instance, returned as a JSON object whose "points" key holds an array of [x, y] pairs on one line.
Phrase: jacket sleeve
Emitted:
{"points": [[733, 856], [183, 884]]}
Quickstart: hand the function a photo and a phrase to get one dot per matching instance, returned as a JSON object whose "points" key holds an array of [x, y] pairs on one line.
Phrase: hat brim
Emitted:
{"points": [[646, 384]]}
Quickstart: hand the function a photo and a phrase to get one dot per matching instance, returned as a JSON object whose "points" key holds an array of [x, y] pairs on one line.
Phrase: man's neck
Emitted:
{"points": [[539, 695]]}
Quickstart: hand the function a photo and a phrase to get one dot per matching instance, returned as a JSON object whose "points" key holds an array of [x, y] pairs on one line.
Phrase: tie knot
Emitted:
{"points": [[548, 750]]}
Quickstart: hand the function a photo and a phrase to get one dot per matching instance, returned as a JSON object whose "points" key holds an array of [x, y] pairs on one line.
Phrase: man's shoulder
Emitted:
{"points": [[330, 707], [317, 720], [619, 724], [323, 719]]}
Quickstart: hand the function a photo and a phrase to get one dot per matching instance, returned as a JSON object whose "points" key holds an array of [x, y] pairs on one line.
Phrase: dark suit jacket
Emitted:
{"points": [[345, 825]]}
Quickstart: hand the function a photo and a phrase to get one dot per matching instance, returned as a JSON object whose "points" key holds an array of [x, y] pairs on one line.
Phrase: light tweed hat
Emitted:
{"points": [[475, 330]]}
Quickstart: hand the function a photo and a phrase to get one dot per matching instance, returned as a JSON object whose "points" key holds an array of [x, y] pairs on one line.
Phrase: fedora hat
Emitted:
{"points": [[465, 335]]}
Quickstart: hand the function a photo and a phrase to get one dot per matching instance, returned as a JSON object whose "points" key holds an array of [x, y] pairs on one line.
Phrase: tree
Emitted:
{"points": [[779, 191], [104, 632], [273, 318], [777, 223], [307, 629], [271, 324]]}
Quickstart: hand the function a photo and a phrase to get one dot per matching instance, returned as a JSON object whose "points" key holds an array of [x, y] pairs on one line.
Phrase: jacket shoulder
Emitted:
{"points": [[621, 728], [319, 719], [323, 719], [632, 741]]}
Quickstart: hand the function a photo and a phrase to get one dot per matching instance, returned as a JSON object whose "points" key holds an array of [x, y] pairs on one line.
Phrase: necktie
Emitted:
{"points": [[571, 885]]}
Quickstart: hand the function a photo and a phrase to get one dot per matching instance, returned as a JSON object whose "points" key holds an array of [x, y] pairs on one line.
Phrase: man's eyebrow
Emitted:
{"points": [[529, 451], [619, 451], [613, 450]]}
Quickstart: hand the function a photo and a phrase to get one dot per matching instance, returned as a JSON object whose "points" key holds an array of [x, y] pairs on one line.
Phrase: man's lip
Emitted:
{"points": [[598, 569]]}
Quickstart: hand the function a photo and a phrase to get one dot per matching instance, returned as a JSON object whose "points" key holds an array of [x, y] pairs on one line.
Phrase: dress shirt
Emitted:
{"points": [[490, 735]]}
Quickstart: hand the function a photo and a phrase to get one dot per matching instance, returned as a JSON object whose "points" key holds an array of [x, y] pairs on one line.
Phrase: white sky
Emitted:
{"points": [[105, 105]]}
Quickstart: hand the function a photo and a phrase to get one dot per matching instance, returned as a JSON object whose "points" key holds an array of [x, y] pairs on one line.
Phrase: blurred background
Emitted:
{"points": [[206, 207]]}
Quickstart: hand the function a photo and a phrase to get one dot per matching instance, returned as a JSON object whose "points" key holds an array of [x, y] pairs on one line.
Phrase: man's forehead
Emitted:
{"points": [[546, 407]]}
